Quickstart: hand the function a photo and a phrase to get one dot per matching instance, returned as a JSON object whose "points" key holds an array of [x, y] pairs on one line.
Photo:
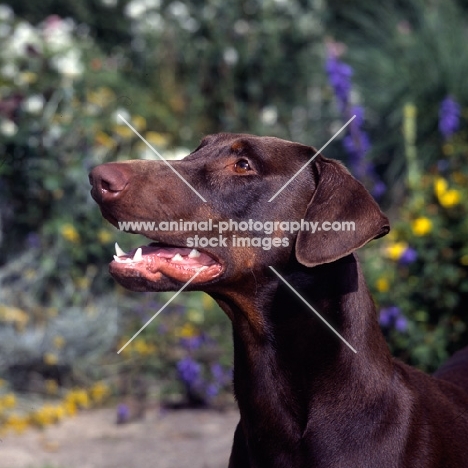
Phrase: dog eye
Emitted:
{"points": [[242, 166]]}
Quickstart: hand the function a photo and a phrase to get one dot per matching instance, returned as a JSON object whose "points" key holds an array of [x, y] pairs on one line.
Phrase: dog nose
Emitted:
{"points": [[109, 181]]}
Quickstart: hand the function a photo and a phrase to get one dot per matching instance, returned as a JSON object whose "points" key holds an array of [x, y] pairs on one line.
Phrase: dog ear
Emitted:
{"points": [[338, 197]]}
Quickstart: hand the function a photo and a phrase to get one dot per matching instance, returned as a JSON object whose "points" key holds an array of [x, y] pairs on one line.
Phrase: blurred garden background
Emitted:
{"points": [[178, 70]]}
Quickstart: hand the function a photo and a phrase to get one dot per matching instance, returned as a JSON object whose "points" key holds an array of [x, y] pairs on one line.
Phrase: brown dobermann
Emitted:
{"points": [[305, 398]]}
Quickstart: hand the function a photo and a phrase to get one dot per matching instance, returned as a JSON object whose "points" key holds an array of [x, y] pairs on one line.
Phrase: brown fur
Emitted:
{"points": [[305, 399]]}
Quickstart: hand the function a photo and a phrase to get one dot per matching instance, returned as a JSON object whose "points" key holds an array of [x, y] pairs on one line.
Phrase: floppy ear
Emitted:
{"points": [[338, 197]]}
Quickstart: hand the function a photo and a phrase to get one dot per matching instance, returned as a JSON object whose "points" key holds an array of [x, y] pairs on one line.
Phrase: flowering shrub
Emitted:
{"points": [[419, 274], [14, 418], [356, 140], [189, 348]]}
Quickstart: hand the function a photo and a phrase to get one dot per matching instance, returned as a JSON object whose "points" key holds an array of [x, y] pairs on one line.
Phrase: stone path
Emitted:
{"points": [[173, 439]]}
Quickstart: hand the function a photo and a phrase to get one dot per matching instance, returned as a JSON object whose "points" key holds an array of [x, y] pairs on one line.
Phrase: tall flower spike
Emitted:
{"points": [[449, 117], [356, 142]]}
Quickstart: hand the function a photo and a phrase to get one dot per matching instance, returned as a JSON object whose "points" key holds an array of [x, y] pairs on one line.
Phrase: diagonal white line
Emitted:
{"points": [[160, 310], [312, 158], [313, 310], [157, 154]]}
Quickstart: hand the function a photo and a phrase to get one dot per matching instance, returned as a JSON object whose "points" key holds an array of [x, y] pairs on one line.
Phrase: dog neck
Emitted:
{"points": [[285, 357]]}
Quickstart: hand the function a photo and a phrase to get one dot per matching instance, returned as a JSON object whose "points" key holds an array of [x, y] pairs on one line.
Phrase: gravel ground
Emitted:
{"points": [[172, 439]]}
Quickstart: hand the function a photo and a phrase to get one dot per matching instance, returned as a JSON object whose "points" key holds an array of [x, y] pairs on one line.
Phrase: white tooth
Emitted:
{"points": [[138, 257], [177, 258], [119, 251], [194, 253]]}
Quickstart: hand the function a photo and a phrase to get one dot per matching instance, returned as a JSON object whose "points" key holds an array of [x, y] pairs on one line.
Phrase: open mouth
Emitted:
{"points": [[153, 261]]}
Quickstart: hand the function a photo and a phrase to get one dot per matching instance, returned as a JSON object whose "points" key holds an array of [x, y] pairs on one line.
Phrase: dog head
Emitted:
{"points": [[235, 205]]}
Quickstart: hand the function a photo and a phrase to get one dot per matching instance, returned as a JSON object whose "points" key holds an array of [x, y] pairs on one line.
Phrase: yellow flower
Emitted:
{"points": [[60, 412], [450, 198], [99, 391], [70, 407], [464, 260], [28, 77], [103, 139], [208, 302], [156, 139], [59, 341], [44, 416], [421, 226], [187, 331], [8, 401], [440, 186], [51, 386], [50, 359], [17, 423], [13, 315], [382, 284], [78, 397], [138, 122], [82, 283], [195, 316], [139, 345], [70, 233], [104, 236], [395, 251], [123, 131], [101, 96]]}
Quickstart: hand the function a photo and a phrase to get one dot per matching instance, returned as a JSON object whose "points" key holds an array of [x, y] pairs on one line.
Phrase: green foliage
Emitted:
{"points": [[432, 289], [193, 332], [413, 52]]}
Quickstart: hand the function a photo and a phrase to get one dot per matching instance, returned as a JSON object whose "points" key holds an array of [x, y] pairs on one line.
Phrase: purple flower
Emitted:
{"points": [[392, 316], [449, 117], [386, 316], [401, 323], [339, 76], [189, 370], [123, 413], [408, 256], [212, 390], [379, 189], [192, 343], [34, 241], [356, 143], [217, 372]]}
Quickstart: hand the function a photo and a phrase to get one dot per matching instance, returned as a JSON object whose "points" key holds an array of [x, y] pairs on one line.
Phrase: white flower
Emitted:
{"points": [[23, 35], [34, 104], [52, 135], [269, 115], [6, 13], [9, 70], [135, 9], [109, 3], [124, 113], [58, 33], [68, 63], [7, 127], [230, 56], [151, 22], [179, 9]]}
